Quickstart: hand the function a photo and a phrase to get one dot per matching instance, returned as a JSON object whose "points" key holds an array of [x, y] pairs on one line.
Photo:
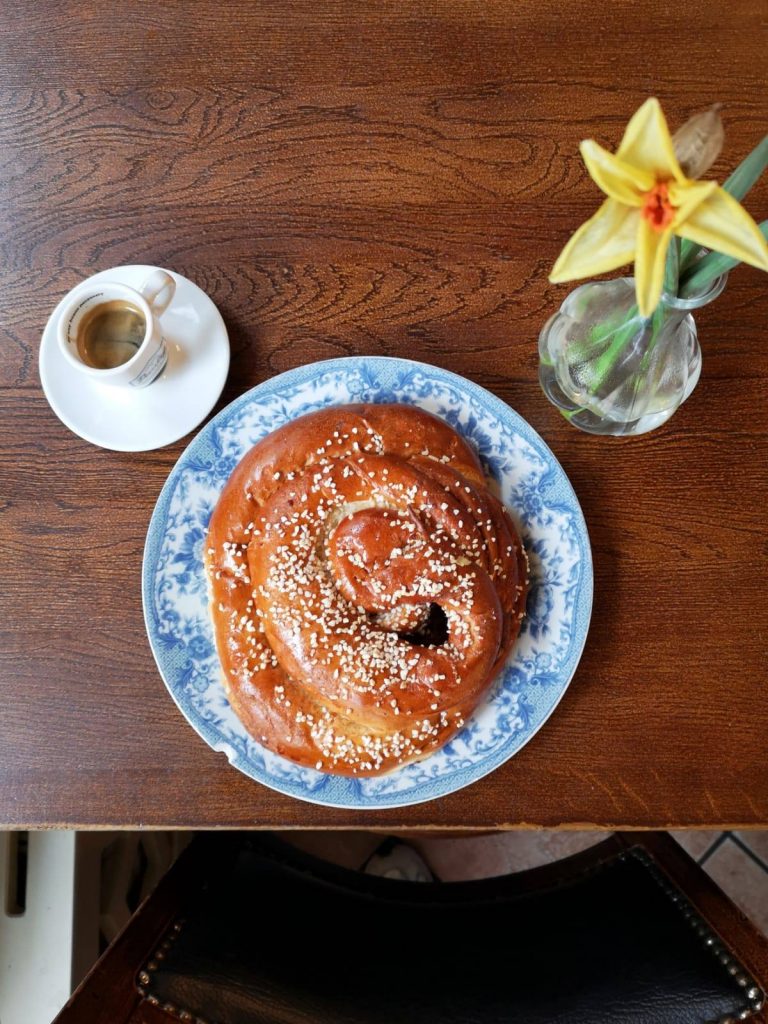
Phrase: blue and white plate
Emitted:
{"points": [[532, 485]]}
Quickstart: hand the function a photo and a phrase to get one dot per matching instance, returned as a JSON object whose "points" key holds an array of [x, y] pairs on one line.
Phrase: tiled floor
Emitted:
{"points": [[737, 861]]}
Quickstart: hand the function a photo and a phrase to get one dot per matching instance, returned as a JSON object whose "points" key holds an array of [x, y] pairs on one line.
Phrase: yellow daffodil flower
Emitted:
{"points": [[649, 201]]}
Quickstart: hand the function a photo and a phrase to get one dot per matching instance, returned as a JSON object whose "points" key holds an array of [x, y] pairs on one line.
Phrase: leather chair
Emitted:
{"points": [[245, 929]]}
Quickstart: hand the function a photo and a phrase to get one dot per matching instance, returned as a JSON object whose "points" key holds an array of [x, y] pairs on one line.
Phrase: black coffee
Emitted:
{"points": [[110, 334]]}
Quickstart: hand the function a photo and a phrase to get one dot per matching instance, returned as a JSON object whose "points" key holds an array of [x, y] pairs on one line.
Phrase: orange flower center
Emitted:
{"points": [[657, 209]]}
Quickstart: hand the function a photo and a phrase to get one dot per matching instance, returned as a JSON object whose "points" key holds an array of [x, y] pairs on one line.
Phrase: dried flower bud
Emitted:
{"points": [[699, 141]]}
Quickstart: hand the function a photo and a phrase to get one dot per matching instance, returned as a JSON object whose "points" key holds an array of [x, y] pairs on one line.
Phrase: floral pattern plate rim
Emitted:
{"points": [[532, 484]]}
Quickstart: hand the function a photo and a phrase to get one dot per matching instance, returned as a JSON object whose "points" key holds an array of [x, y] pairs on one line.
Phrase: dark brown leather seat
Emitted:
{"points": [[273, 936]]}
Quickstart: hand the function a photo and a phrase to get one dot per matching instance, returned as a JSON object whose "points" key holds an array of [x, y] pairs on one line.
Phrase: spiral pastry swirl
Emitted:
{"points": [[365, 587]]}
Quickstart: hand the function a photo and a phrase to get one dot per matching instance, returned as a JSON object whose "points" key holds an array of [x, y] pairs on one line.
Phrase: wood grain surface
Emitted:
{"points": [[387, 178]]}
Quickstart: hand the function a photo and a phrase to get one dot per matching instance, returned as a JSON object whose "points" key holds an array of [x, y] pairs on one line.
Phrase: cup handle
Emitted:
{"points": [[158, 290]]}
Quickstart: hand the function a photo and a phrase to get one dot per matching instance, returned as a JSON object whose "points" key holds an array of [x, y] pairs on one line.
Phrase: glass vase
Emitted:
{"points": [[611, 371]]}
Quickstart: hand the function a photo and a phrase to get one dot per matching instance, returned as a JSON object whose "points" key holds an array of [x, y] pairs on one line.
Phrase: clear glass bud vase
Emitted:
{"points": [[611, 371]]}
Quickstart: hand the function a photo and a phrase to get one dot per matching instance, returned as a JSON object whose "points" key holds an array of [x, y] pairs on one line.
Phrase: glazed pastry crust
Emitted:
{"points": [[330, 546]]}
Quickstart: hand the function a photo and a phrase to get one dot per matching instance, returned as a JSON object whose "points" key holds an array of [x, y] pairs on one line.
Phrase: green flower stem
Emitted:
{"points": [[605, 364], [701, 275], [748, 171], [739, 183], [672, 267], [610, 357]]}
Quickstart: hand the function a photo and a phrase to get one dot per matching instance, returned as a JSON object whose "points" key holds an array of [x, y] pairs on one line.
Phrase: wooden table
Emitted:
{"points": [[385, 178]]}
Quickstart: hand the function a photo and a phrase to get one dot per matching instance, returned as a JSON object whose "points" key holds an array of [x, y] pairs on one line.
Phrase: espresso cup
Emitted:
{"points": [[112, 332]]}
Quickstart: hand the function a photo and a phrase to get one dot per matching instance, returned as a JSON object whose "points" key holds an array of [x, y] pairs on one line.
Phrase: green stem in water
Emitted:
{"points": [[607, 361]]}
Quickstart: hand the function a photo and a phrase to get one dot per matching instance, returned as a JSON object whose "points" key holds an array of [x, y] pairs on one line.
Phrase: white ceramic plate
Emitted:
{"points": [[138, 419]]}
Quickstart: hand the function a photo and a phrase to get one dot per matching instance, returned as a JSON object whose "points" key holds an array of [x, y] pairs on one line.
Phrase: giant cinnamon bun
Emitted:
{"points": [[365, 585]]}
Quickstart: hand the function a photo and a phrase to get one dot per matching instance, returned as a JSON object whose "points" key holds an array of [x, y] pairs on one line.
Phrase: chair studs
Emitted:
{"points": [[689, 913]]}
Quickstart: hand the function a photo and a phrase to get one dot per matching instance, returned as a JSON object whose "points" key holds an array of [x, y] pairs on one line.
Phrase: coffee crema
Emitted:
{"points": [[110, 334]]}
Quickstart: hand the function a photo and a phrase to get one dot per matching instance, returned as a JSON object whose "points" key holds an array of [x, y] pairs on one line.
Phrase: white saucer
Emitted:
{"points": [[129, 419]]}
